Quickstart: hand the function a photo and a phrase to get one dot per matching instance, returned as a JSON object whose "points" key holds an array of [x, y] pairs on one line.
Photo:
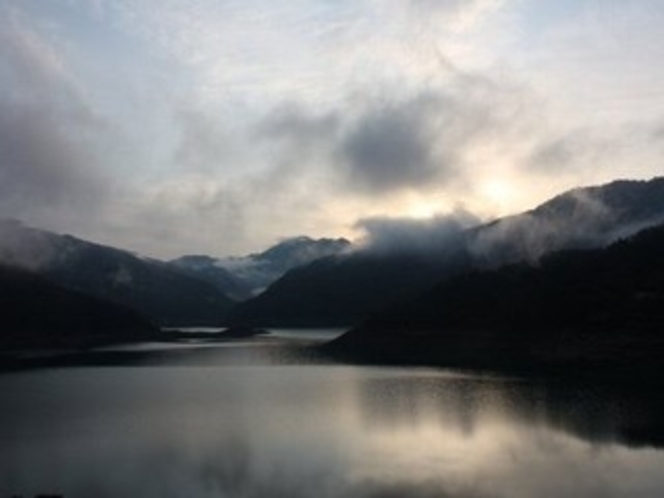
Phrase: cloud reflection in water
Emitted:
{"points": [[299, 430]]}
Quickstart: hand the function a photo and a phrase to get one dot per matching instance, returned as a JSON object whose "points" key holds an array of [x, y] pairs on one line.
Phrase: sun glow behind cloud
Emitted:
{"points": [[499, 192]]}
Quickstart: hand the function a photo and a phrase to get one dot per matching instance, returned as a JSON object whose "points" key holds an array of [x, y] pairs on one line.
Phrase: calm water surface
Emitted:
{"points": [[252, 419]]}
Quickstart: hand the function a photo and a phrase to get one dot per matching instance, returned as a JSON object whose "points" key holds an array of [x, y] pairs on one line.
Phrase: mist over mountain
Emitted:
{"points": [[403, 258], [581, 218], [244, 277], [337, 291], [328, 282], [577, 309], [209, 269], [153, 288], [36, 313]]}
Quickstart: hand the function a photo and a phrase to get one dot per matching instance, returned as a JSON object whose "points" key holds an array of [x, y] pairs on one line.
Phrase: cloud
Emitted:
{"points": [[464, 13], [300, 143], [580, 218], [174, 216], [420, 140], [204, 144], [291, 122], [29, 62], [559, 152], [393, 147], [47, 159], [39, 164], [156, 129], [426, 236]]}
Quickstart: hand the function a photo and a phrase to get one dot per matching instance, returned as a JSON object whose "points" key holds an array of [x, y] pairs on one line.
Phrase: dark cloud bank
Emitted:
{"points": [[381, 145]]}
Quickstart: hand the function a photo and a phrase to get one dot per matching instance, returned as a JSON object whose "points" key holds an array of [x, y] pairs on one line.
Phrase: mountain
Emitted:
{"points": [[575, 310], [338, 291], [155, 289], [244, 277], [36, 313], [581, 218], [345, 289], [210, 270]]}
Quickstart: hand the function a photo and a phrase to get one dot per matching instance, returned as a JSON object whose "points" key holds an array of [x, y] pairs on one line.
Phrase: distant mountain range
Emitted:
{"points": [[327, 282], [192, 290], [345, 289], [210, 270], [245, 277], [576, 310], [155, 289]]}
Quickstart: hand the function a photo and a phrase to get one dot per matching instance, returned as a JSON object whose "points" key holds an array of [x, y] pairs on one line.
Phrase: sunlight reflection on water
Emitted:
{"points": [[274, 429]]}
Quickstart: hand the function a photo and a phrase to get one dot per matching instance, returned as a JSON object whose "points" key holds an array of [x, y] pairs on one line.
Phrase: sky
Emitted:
{"points": [[219, 127]]}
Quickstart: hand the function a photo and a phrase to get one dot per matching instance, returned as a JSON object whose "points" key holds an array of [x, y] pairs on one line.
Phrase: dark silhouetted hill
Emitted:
{"points": [[36, 313], [155, 289], [338, 291], [575, 310]]}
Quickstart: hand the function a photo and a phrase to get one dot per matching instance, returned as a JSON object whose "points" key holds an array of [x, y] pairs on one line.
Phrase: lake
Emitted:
{"points": [[259, 417]]}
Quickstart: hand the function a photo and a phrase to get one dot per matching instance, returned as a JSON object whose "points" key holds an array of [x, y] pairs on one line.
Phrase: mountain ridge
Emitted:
{"points": [[151, 287], [246, 276], [343, 290]]}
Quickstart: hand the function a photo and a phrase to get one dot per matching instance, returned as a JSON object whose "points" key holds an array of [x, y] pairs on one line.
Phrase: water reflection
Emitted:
{"points": [[597, 413], [271, 428]]}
